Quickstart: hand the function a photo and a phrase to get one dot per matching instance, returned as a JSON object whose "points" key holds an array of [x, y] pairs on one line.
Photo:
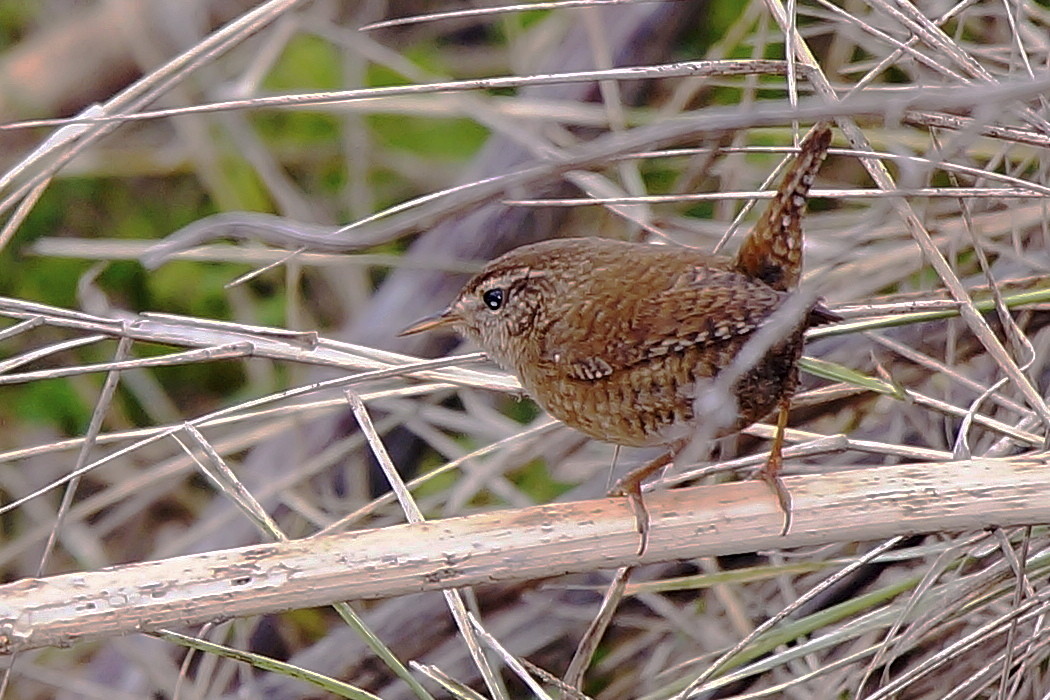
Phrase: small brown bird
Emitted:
{"points": [[617, 339]]}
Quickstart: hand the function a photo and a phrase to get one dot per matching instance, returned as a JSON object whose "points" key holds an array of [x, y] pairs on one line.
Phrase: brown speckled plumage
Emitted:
{"points": [[613, 337]]}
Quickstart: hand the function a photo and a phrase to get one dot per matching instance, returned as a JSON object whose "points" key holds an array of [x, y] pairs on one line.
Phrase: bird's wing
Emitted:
{"points": [[698, 306]]}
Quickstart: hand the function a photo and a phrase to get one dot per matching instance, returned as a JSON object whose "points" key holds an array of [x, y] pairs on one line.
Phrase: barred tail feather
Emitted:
{"points": [[772, 252]]}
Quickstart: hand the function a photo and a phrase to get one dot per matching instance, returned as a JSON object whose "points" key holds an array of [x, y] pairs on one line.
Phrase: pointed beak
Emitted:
{"points": [[442, 319]]}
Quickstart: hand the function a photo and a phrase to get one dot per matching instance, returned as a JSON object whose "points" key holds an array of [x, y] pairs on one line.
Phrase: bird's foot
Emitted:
{"points": [[630, 486], [770, 474]]}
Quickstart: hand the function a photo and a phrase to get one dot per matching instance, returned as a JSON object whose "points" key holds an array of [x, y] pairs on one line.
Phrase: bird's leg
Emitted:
{"points": [[631, 487], [770, 473]]}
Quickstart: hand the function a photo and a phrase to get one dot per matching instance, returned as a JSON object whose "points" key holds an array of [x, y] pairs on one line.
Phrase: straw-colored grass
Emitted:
{"points": [[210, 400]]}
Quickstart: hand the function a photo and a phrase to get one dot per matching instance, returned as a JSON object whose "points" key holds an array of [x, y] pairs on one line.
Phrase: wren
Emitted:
{"points": [[616, 339]]}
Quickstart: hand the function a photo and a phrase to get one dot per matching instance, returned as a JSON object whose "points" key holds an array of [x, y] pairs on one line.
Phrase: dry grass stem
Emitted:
{"points": [[218, 215]]}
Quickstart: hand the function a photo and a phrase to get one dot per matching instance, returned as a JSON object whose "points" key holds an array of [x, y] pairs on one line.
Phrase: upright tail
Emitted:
{"points": [[772, 252]]}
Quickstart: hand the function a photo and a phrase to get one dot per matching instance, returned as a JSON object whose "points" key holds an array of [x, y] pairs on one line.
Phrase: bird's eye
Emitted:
{"points": [[493, 298]]}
